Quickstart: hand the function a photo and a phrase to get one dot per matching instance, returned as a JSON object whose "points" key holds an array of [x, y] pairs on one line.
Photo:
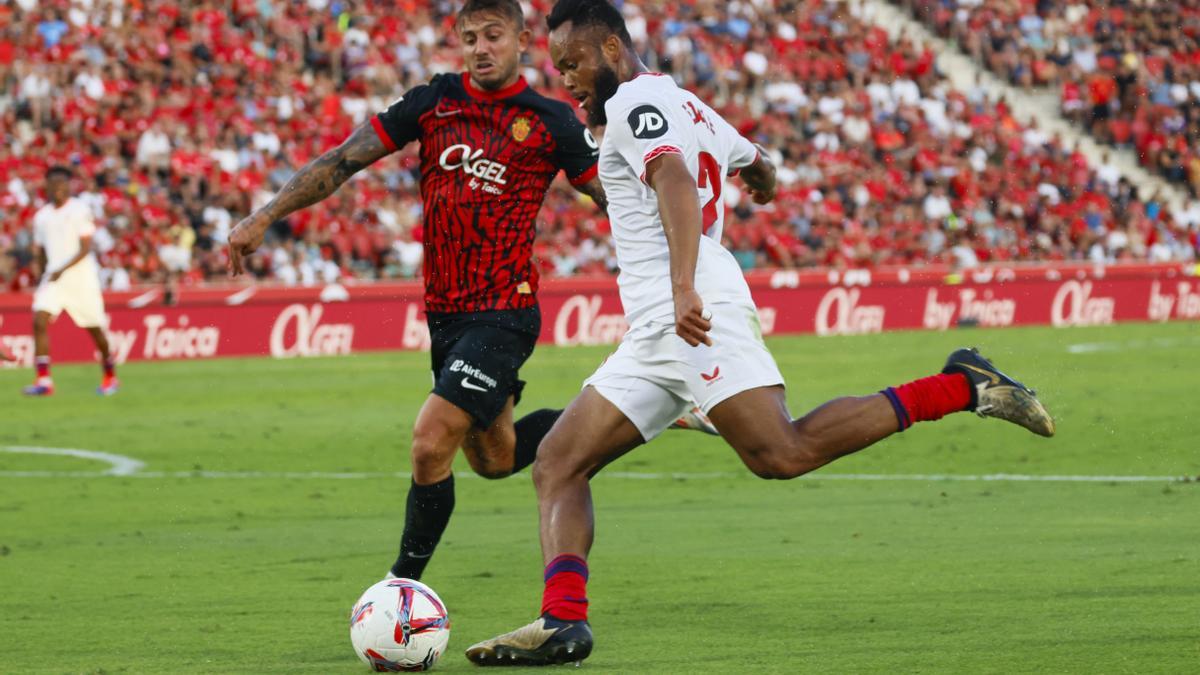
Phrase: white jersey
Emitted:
{"points": [[647, 117], [58, 229]]}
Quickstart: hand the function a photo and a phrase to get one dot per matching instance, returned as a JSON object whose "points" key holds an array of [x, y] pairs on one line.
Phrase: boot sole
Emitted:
{"points": [[570, 651]]}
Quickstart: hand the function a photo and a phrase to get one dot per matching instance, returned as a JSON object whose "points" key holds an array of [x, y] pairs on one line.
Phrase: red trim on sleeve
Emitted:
{"points": [[655, 153], [383, 134], [586, 175], [738, 170]]}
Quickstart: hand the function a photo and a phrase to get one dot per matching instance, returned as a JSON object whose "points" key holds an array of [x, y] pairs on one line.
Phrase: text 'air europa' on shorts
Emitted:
{"points": [[654, 376], [477, 356]]}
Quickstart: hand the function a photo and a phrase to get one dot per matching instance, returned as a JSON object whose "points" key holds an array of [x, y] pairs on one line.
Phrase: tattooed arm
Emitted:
{"points": [[595, 190], [316, 181]]}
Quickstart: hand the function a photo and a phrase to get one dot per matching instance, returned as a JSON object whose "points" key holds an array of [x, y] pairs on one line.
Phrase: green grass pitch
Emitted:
{"points": [[186, 573]]}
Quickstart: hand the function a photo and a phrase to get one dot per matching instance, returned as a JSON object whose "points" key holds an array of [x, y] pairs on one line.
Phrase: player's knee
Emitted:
{"points": [[433, 447], [550, 468], [778, 462]]}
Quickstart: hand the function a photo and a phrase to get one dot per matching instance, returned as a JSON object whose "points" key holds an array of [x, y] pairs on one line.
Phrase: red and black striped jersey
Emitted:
{"points": [[487, 159]]}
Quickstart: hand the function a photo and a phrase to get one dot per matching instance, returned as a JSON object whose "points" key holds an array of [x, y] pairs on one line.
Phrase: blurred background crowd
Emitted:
{"points": [[1127, 71], [179, 118]]}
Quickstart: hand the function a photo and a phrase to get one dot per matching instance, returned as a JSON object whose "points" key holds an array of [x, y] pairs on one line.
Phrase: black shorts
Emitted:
{"points": [[476, 357]]}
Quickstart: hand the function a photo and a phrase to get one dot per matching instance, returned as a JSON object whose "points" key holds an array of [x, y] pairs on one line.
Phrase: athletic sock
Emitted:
{"points": [[425, 519], [42, 364], [110, 368], [531, 429], [929, 398], [565, 595]]}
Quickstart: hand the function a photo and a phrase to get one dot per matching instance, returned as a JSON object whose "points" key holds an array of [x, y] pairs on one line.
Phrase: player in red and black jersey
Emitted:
{"points": [[490, 147], [487, 159]]}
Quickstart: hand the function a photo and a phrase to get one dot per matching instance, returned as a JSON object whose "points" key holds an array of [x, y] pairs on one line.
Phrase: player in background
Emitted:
{"points": [[62, 232], [489, 148], [693, 326]]}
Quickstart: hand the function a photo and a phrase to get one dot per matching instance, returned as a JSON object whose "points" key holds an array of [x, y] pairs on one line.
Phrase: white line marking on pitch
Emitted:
{"points": [[1155, 343], [618, 475], [119, 465]]}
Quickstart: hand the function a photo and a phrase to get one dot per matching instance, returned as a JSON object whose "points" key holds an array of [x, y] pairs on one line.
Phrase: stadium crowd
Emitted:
{"points": [[180, 119], [1129, 72]]}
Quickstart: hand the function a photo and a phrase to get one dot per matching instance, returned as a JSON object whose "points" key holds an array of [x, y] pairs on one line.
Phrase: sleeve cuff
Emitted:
{"points": [[382, 133], [736, 171], [658, 152], [587, 175]]}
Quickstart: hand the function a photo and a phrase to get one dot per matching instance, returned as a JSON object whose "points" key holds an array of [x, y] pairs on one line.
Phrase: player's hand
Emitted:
{"points": [[245, 239], [691, 319], [53, 276]]}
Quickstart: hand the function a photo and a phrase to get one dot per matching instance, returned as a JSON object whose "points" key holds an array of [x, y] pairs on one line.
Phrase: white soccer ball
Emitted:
{"points": [[399, 625]]}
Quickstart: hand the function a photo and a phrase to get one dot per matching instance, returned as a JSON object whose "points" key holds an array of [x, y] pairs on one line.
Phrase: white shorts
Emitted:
{"points": [[655, 377], [81, 300]]}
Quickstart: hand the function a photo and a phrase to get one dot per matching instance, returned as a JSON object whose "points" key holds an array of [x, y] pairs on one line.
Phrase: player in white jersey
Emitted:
{"points": [[693, 326], [62, 231]]}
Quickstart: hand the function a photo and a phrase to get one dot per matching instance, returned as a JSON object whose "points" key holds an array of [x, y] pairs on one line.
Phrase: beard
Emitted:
{"points": [[606, 87]]}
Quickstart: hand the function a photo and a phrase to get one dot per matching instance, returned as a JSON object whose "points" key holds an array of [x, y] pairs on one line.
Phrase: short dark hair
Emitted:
{"points": [[510, 9], [599, 13], [59, 170]]}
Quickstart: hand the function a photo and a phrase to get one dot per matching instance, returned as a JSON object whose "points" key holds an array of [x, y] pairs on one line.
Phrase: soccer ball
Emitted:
{"points": [[399, 625]]}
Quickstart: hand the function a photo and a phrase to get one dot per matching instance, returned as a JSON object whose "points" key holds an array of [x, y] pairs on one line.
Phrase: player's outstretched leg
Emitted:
{"points": [[108, 383], [43, 385], [757, 425], [591, 433]]}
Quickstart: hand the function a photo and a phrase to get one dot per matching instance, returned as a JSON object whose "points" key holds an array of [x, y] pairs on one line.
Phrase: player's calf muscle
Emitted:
{"points": [[489, 463]]}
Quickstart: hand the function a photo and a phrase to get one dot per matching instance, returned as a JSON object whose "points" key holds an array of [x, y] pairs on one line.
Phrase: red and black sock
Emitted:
{"points": [[42, 364], [929, 398], [110, 368], [565, 595]]}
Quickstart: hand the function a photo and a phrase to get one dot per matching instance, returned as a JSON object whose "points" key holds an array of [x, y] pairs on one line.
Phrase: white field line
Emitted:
{"points": [[128, 467], [118, 465], [1129, 345]]}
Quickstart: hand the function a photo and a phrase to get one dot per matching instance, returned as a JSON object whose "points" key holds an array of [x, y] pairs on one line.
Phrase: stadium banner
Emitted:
{"points": [[296, 322]]}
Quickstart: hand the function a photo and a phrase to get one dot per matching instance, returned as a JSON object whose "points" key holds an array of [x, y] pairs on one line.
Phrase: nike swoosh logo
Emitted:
{"points": [[414, 555], [991, 376], [446, 113], [467, 384]]}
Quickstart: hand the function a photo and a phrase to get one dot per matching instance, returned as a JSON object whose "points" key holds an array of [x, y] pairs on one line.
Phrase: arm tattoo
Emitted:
{"points": [[595, 190], [324, 175]]}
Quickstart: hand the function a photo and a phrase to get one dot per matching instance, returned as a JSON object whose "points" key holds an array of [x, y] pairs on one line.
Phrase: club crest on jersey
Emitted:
{"points": [[521, 128], [647, 122]]}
